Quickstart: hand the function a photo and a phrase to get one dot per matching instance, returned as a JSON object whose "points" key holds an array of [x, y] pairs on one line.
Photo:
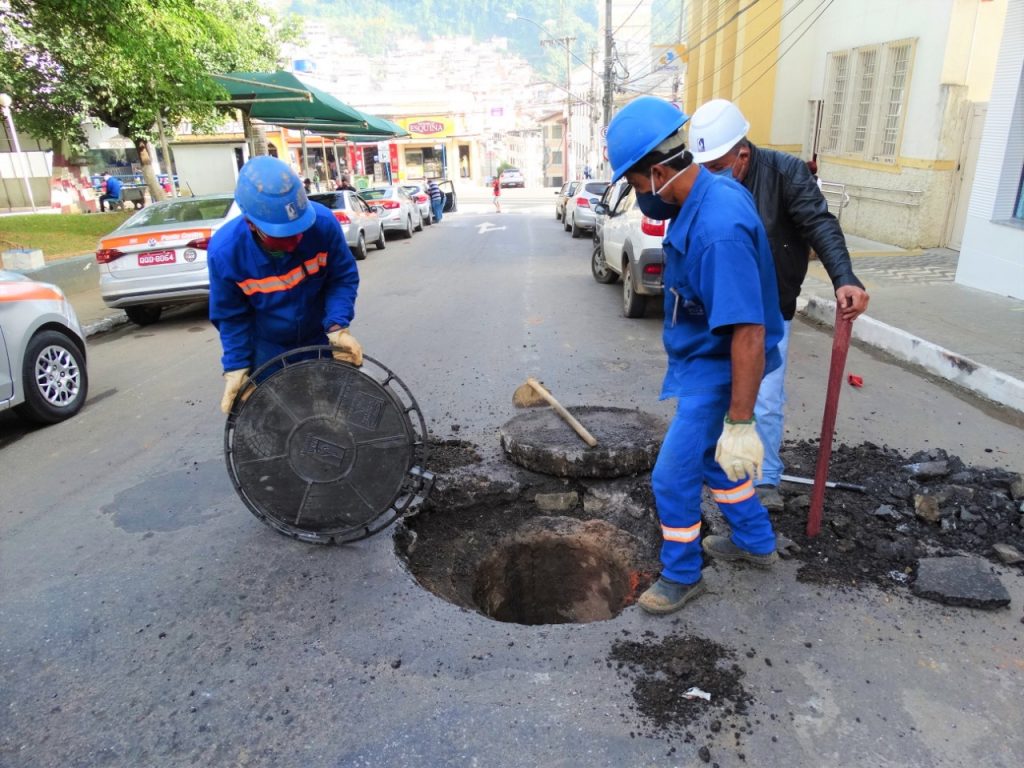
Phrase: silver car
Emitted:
{"points": [[158, 256], [359, 223], [419, 193], [579, 208], [562, 195], [396, 209], [42, 351]]}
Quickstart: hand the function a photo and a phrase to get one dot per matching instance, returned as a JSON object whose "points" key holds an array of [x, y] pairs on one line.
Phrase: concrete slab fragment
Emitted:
{"points": [[964, 581]]}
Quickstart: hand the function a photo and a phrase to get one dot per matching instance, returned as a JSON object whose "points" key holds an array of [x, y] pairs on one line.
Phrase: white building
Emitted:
{"points": [[992, 255]]}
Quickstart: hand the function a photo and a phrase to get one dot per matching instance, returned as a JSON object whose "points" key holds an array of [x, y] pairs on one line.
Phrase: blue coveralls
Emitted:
{"points": [[263, 306], [718, 273]]}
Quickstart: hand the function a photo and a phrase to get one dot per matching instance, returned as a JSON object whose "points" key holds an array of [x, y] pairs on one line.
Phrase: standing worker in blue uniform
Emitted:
{"points": [[436, 199], [796, 217], [281, 276], [113, 190], [721, 333]]}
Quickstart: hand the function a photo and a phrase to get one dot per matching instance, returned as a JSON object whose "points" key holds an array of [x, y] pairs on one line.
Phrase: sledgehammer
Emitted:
{"points": [[840, 346]]}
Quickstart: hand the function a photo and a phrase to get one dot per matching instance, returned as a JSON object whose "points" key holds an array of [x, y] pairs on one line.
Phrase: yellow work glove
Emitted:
{"points": [[346, 348], [233, 382], [739, 452]]}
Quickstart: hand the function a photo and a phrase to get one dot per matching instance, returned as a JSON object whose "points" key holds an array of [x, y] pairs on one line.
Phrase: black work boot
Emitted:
{"points": [[722, 548], [770, 498], [667, 596]]}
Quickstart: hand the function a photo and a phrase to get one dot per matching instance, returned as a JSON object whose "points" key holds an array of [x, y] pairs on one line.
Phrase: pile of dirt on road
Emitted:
{"points": [[929, 503], [446, 455], [665, 673]]}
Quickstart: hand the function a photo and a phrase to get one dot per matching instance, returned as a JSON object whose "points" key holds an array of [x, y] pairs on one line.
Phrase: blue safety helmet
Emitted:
{"points": [[638, 128], [272, 197]]}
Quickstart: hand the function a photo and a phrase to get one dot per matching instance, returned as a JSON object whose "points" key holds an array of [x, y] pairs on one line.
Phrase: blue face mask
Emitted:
{"points": [[727, 171], [653, 207]]}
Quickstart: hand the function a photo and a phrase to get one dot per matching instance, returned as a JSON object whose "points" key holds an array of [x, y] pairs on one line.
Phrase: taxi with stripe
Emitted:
{"points": [[42, 351], [158, 256]]}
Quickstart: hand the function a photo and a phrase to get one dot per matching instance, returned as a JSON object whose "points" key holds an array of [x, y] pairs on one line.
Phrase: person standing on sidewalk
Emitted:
{"points": [[496, 189], [796, 216], [436, 199], [721, 333], [281, 276]]}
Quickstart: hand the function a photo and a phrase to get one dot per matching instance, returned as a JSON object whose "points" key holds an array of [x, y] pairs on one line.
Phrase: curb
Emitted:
{"points": [[962, 371], [106, 324]]}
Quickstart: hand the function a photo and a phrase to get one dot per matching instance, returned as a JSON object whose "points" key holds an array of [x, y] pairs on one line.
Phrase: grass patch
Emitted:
{"points": [[58, 236]]}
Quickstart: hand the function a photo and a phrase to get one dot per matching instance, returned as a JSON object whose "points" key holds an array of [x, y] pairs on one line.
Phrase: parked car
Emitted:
{"points": [[511, 177], [418, 192], [608, 200], [396, 209], [631, 247], [451, 200], [359, 223], [562, 195], [158, 256], [42, 351], [579, 212]]}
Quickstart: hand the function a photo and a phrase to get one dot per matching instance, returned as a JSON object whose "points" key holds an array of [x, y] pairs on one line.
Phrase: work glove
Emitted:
{"points": [[233, 382], [346, 348], [739, 452]]}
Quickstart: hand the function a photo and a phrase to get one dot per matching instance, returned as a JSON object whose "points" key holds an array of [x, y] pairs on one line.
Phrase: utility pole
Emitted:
{"points": [[565, 42], [608, 66], [679, 40], [592, 111]]}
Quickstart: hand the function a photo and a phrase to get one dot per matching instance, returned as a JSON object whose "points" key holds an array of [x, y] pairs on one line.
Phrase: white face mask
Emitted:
{"points": [[659, 190]]}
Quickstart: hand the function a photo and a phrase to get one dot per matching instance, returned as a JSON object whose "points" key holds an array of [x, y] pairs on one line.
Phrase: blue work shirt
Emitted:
{"points": [[718, 273], [114, 187], [263, 306]]}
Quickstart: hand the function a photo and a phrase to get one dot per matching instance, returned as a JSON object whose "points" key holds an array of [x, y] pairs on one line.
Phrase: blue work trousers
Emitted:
{"points": [[771, 399], [437, 206], [687, 461]]}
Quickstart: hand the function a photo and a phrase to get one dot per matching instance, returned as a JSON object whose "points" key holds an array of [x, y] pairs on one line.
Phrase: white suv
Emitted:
{"points": [[512, 177], [629, 244]]}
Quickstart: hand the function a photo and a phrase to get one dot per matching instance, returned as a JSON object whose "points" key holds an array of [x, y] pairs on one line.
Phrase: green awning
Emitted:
{"points": [[282, 99]]}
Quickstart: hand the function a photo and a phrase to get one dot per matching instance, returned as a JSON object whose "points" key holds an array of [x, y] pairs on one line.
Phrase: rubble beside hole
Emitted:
{"points": [[552, 578]]}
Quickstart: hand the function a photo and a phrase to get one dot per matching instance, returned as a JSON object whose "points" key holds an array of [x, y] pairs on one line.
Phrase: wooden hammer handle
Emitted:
{"points": [[588, 438]]}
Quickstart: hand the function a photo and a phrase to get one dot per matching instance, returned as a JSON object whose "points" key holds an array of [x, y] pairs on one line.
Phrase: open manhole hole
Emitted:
{"points": [[556, 570], [506, 544]]}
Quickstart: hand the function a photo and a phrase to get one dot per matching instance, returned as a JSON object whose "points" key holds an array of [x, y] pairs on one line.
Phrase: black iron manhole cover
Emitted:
{"points": [[627, 442], [324, 451]]}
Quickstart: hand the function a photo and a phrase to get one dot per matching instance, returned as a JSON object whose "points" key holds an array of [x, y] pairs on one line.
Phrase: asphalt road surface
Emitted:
{"points": [[148, 619]]}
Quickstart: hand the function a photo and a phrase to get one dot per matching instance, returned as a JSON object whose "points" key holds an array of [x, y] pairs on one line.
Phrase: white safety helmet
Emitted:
{"points": [[715, 128]]}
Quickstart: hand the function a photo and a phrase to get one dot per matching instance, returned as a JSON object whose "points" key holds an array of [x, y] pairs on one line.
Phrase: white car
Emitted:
{"points": [[158, 256], [512, 177], [42, 351], [397, 210], [630, 247], [359, 223]]}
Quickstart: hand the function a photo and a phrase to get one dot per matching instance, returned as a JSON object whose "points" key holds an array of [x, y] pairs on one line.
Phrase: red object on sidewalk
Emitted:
{"points": [[855, 380], [840, 348]]}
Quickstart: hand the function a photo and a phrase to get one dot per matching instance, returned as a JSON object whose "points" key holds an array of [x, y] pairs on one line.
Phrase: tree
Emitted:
{"points": [[126, 61]]}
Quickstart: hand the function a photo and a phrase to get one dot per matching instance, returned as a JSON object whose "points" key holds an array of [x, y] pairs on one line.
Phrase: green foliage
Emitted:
{"points": [[125, 61], [58, 237]]}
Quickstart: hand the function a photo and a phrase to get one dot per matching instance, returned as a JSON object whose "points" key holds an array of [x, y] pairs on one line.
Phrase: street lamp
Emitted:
{"points": [[5, 107], [564, 41]]}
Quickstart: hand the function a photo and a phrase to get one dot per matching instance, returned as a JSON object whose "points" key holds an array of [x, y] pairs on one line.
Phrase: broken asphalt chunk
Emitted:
{"points": [[960, 581]]}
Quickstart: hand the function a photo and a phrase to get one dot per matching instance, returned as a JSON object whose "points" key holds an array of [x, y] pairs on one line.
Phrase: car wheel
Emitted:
{"points": [[575, 228], [419, 225], [408, 227], [558, 215], [633, 303], [379, 243], [54, 377], [429, 220], [599, 267], [145, 314], [360, 250], [565, 222]]}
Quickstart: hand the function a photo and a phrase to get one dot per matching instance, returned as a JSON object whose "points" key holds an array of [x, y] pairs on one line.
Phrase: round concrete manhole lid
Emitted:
{"points": [[627, 442]]}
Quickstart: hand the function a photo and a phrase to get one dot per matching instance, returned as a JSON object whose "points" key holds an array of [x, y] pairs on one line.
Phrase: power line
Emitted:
{"points": [[781, 55], [626, 21]]}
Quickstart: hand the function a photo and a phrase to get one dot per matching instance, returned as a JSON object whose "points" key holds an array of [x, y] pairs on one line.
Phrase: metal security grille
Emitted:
{"points": [[892, 105], [865, 96], [839, 80]]}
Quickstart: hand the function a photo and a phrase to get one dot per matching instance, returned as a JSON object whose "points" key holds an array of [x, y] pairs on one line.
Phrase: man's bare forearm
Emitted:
{"points": [[747, 370]]}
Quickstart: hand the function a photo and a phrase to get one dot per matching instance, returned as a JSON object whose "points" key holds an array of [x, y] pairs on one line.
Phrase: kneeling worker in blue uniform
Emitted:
{"points": [[721, 333], [281, 276]]}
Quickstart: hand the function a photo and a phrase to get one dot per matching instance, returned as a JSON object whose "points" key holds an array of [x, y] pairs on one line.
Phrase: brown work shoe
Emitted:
{"points": [[665, 596], [722, 548]]}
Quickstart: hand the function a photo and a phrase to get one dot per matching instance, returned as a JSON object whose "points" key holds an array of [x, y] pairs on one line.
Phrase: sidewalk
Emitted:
{"points": [[917, 314], [972, 338]]}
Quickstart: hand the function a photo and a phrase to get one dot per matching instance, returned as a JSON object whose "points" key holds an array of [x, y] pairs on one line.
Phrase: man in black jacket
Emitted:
{"points": [[797, 219]]}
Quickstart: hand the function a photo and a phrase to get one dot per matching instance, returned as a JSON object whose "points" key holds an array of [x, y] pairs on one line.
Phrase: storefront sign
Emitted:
{"points": [[434, 127]]}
